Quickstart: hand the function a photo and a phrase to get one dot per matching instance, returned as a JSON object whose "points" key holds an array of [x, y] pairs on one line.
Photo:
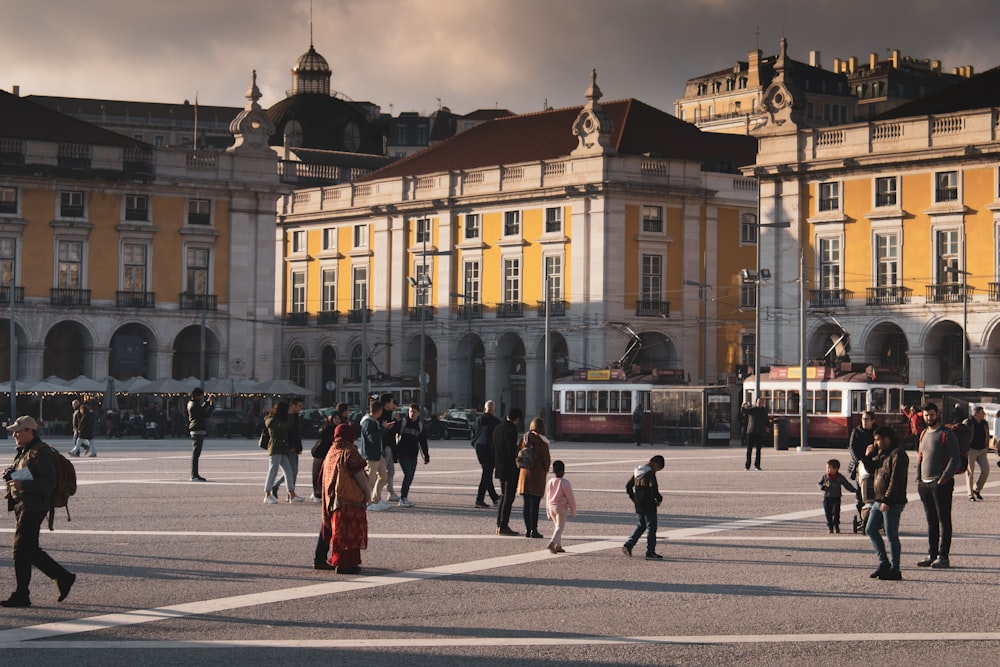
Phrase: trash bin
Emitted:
{"points": [[780, 427]]}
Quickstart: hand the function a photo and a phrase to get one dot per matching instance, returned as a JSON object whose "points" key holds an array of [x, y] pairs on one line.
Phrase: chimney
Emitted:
{"points": [[753, 59], [895, 58], [814, 59], [15, 91], [852, 64], [836, 65], [970, 70], [872, 61], [936, 66]]}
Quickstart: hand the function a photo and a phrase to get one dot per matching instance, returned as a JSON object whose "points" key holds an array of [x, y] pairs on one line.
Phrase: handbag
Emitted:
{"points": [[347, 489], [265, 439]]}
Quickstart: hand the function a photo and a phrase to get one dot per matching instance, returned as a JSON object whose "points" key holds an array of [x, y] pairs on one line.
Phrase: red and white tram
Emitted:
{"points": [[835, 399]]}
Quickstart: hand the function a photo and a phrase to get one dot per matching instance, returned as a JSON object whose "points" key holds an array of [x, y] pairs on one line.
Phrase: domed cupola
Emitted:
{"points": [[311, 74]]}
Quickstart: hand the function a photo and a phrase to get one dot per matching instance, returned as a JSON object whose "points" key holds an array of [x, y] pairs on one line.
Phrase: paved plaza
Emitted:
{"points": [[172, 571]]}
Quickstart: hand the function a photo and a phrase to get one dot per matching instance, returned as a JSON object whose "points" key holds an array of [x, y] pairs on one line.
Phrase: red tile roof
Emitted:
{"points": [[639, 129]]}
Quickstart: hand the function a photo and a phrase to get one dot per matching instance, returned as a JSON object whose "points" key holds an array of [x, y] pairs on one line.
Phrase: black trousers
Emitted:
{"points": [[322, 547], [317, 477], [197, 441], [508, 489], [531, 505], [754, 442], [486, 479], [27, 552], [936, 499]]}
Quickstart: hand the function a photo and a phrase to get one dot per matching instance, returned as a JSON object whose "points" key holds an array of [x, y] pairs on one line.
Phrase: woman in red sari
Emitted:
{"points": [[345, 497]]}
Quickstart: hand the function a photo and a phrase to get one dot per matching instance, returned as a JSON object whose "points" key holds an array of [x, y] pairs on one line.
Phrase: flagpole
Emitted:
{"points": [[196, 120]]}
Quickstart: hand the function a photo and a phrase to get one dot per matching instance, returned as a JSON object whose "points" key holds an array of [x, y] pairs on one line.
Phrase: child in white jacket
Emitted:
{"points": [[559, 502]]}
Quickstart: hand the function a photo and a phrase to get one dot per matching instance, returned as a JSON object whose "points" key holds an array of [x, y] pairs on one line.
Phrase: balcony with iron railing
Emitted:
{"points": [[328, 317], [556, 308], [949, 293], [995, 296], [648, 308], [471, 311], [61, 296], [357, 316], [829, 298], [298, 319], [418, 313], [191, 301], [5, 294], [510, 310], [888, 295], [126, 299]]}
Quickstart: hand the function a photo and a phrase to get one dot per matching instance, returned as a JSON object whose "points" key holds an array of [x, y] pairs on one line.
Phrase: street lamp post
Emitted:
{"points": [[549, 422], [760, 274]]}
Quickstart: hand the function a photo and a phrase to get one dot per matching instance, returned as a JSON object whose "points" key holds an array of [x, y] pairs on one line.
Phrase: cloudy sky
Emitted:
{"points": [[412, 55]]}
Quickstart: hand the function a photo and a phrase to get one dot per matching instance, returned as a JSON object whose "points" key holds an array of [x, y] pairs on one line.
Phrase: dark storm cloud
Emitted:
{"points": [[518, 54]]}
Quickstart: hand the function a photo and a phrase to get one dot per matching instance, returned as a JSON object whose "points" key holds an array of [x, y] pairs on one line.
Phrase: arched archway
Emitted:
{"points": [[512, 374], [187, 353], [888, 347], [66, 351], [133, 352], [467, 372], [412, 360], [830, 343], [297, 365], [657, 351], [943, 347]]}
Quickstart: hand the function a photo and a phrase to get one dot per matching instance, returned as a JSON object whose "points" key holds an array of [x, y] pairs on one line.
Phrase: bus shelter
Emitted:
{"points": [[696, 416]]}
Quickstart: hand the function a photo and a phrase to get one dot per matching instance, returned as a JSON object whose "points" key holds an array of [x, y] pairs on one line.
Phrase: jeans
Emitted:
{"points": [[979, 456], [82, 443], [197, 441], [376, 478], [276, 460], [936, 499], [408, 466], [293, 465], [890, 519], [508, 489], [531, 505], [390, 469], [647, 521], [831, 506]]}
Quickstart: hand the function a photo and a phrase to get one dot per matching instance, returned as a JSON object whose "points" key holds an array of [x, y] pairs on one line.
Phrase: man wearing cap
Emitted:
{"points": [[30, 482]]}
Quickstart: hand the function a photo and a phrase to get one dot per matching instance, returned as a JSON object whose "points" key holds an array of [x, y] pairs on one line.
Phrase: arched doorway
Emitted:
{"points": [[887, 347], [297, 365], [512, 374], [187, 353], [430, 367], [943, 350], [467, 372], [829, 343], [328, 373], [66, 351], [133, 349], [656, 351]]}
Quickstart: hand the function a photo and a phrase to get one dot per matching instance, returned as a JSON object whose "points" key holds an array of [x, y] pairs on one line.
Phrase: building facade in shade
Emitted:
{"points": [[730, 100], [118, 258], [898, 222], [620, 211]]}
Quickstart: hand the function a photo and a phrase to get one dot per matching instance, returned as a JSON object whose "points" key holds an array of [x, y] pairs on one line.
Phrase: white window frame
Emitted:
{"points": [[511, 279], [72, 196], [830, 257], [330, 239], [9, 263], [188, 287], [748, 295], [553, 270], [828, 197], [197, 206], [129, 284], [297, 291], [893, 260], [329, 288], [553, 220], [359, 287], [9, 199], [947, 186], [360, 236], [650, 280], [748, 229], [422, 231], [512, 223], [134, 199], [473, 226], [64, 243], [472, 276], [882, 198], [421, 291], [652, 219], [943, 260], [299, 241]]}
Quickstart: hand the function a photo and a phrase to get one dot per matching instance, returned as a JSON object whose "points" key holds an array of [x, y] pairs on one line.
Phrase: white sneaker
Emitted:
{"points": [[270, 500], [405, 503], [375, 507], [393, 498], [314, 498], [383, 504], [296, 499]]}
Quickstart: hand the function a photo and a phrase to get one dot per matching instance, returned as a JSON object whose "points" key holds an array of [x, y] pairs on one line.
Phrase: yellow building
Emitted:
{"points": [[898, 220], [621, 210], [116, 257]]}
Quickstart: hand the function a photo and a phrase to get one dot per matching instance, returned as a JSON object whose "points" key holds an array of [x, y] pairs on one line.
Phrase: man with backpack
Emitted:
{"points": [[31, 480], [938, 461]]}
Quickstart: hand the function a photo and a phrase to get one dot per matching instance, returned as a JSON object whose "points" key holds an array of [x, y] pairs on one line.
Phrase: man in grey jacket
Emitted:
{"points": [[939, 459]]}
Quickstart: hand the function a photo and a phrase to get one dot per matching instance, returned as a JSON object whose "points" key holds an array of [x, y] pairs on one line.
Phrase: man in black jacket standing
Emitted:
{"points": [[482, 441], [198, 408], [30, 482], [504, 456]]}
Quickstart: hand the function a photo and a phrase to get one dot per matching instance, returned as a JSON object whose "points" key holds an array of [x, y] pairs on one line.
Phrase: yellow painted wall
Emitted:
{"points": [[37, 271], [168, 215], [104, 260], [222, 224]]}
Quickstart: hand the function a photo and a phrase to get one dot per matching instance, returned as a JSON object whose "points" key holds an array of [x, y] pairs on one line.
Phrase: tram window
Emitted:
{"points": [[613, 398], [895, 400], [602, 401], [779, 401], [793, 402], [858, 402], [626, 404], [581, 401], [557, 401], [591, 401], [820, 402], [878, 399], [836, 403], [765, 395]]}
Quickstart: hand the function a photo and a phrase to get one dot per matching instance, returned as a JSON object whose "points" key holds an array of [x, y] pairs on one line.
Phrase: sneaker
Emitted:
{"points": [[978, 495], [313, 498], [403, 502], [77, 454], [972, 498], [393, 498], [653, 556], [92, 455], [927, 562], [65, 584], [891, 575], [383, 504], [627, 550], [882, 569], [296, 499], [16, 601], [482, 505], [198, 478], [375, 507], [757, 468], [940, 564], [836, 529], [270, 500]]}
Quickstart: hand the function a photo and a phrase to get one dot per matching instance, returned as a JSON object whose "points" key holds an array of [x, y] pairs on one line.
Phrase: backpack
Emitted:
{"points": [[964, 436], [65, 484], [526, 455]]}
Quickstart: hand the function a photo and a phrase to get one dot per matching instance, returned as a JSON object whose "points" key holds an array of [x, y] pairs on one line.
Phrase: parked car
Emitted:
{"points": [[459, 423], [225, 423]]}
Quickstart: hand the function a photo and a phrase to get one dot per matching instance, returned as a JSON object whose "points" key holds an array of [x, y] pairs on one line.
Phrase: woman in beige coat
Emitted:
{"points": [[531, 483]]}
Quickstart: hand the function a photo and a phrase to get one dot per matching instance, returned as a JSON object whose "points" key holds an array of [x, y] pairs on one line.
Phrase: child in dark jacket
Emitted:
{"points": [[832, 484], [645, 494]]}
